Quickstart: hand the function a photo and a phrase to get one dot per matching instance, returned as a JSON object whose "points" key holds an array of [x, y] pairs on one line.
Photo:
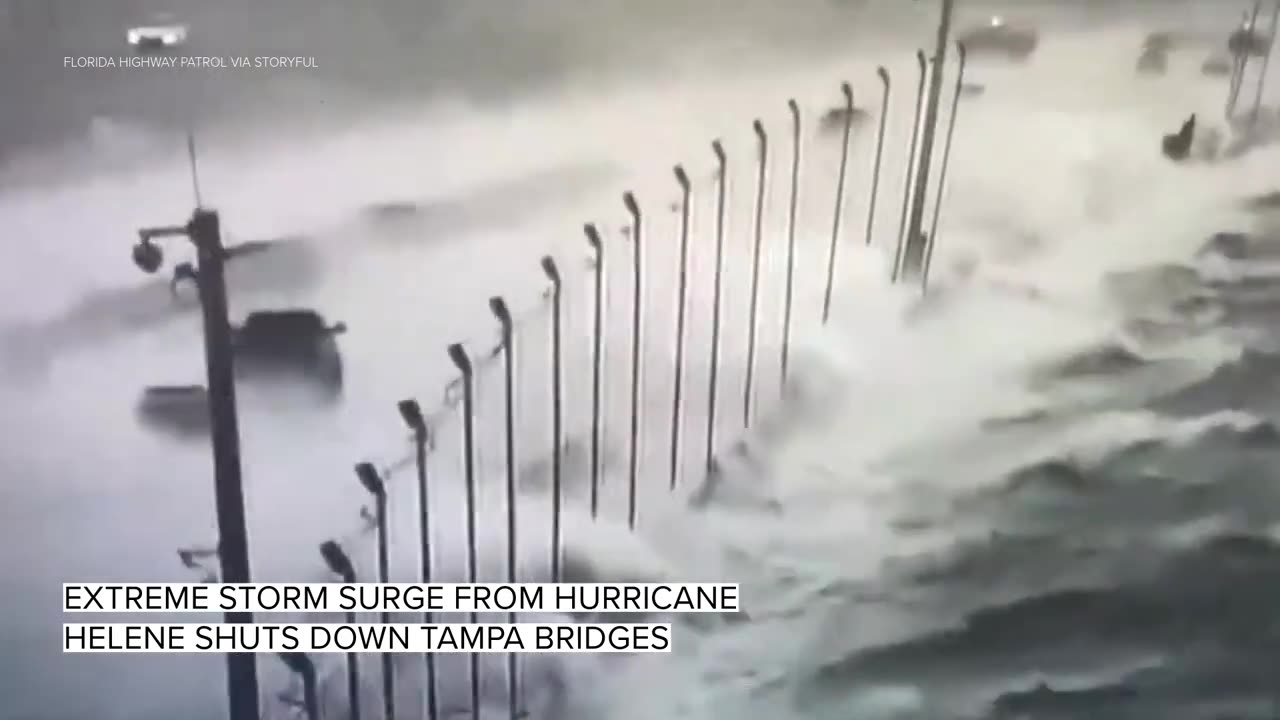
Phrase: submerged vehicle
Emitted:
{"points": [[1154, 59], [1216, 66], [1247, 40], [1153, 62], [834, 119], [179, 409], [998, 37], [159, 34], [295, 343], [271, 348]]}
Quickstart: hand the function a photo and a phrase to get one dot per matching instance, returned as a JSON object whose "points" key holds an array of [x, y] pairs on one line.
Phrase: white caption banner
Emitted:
{"points": [[366, 637], [400, 597]]}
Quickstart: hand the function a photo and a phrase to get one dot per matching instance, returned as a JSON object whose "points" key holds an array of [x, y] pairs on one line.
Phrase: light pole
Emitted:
{"points": [[913, 259], [233, 542]]}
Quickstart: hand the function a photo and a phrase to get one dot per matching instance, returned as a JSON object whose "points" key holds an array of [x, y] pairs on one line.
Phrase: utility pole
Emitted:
{"points": [[233, 542], [913, 256]]}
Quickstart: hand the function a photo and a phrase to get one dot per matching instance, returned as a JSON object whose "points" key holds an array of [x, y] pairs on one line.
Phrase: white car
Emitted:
{"points": [[998, 37], [157, 36]]}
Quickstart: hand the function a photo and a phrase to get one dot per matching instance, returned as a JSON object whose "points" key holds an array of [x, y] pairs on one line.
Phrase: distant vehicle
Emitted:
{"points": [[290, 342], [178, 409], [1216, 66], [1247, 40], [159, 35], [834, 119], [997, 37], [1160, 41], [1153, 61]]}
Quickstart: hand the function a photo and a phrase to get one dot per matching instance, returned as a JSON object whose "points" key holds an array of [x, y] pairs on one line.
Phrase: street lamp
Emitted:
{"points": [[913, 259], [340, 564], [233, 542]]}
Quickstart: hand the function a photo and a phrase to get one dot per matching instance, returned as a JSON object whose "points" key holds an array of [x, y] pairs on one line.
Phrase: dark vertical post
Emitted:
{"points": [[762, 141], [597, 357], [1266, 62], [300, 664], [913, 256], [682, 293], [1242, 58], [499, 308], [341, 566], [411, 413], [793, 209], [911, 168], [722, 174], [195, 174], [369, 479], [847, 90], [942, 174], [557, 411], [875, 171], [458, 355], [233, 534], [637, 257]]}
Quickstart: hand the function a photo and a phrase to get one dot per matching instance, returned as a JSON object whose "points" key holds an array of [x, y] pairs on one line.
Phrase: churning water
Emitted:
{"points": [[1045, 490]]}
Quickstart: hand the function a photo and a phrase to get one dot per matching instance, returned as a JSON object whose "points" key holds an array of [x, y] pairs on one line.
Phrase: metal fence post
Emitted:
{"points": [[913, 256], [597, 358], [911, 168], [499, 308], [793, 210], [847, 91], [557, 410], [718, 275], [411, 413], [459, 356], [369, 478], [637, 299], [875, 171], [340, 565], [300, 664], [682, 294], [762, 139]]}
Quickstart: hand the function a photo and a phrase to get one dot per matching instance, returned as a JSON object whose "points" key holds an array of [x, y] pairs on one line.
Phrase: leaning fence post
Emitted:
{"points": [[681, 299], [792, 215], [1242, 59], [557, 411], [300, 664], [911, 168], [339, 564], [875, 171], [713, 380], [597, 357], [1266, 62], [762, 139], [368, 475], [847, 90], [458, 355], [411, 413], [633, 469], [942, 173], [499, 308]]}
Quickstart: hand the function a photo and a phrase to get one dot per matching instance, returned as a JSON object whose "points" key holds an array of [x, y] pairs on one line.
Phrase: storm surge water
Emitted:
{"points": [[1044, 489]]}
